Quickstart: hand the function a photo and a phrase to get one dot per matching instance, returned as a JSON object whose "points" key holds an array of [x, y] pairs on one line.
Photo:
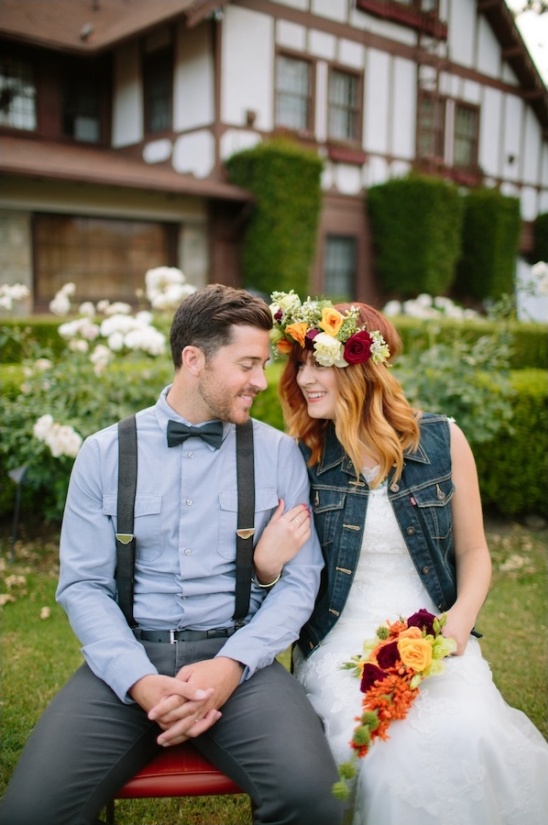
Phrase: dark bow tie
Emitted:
{"points": [[212, 433]]}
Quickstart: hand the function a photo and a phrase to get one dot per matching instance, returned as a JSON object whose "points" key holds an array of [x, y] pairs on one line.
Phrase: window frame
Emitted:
{"points": [[447, 136], [308, 129], [32, 80], [151, 59], [353, 270], [357, 109]]}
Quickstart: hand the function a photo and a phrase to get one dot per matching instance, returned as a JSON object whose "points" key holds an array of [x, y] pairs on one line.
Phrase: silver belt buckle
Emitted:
{"points": [[172, 639]]}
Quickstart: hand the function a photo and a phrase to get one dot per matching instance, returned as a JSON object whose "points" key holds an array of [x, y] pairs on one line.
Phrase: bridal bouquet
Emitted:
{"points": [[391, 667]]}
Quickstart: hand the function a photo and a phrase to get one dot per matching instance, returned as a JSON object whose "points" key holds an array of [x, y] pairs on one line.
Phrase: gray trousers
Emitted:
{"points": [[87, 744]]}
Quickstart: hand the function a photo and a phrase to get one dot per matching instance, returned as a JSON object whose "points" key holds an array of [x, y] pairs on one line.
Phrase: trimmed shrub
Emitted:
{"points": [[513, 468], [416, 224], [540, 238], [280, 236], [490, 242]]}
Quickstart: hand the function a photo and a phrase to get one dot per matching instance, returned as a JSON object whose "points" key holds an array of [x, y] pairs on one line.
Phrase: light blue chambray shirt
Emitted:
{"points": [[185, 527]]}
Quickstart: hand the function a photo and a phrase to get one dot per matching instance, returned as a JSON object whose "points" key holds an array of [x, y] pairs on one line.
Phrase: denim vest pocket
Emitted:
{"points": [[147, 525], [328, 507], [434, 505]]}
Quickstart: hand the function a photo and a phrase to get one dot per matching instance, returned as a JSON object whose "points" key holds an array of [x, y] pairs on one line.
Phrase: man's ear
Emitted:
{"points": [[193, 359]]}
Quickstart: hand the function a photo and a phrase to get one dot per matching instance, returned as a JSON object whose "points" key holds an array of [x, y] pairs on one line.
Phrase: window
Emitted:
{"points": [[104, 258], [340, 267], [465, 149], [447, 132], [158, 90], [431, 127], [344, 106], [82, 108], [293, 94], [17, 94]]}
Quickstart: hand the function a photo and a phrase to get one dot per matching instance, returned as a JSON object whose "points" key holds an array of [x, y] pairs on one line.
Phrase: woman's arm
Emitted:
{"points": [[471, 552]]}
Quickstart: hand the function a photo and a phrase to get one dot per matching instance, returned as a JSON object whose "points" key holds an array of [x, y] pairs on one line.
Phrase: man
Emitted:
{"points": [[188, 670]]}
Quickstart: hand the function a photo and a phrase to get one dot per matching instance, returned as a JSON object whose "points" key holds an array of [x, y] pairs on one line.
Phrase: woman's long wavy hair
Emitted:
{"points": [[372, 413]]}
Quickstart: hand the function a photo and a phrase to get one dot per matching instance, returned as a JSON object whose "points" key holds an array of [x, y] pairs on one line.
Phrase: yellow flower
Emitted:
{"points": [[297, 331], [284, 346], [332, 321], [415, 653]]}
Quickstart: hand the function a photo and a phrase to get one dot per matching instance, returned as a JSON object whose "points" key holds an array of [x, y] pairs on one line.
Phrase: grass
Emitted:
{"points": [[40, 650]]}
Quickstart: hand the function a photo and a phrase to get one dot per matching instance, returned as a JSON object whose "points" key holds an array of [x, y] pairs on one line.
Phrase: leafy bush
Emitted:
{"points": [[280, 236], [513, 468], [540, 237], [490, 241], [416, 224]]}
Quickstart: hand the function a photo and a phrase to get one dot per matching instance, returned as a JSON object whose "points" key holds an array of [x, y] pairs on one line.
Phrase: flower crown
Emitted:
{"points": [[335, 339]]}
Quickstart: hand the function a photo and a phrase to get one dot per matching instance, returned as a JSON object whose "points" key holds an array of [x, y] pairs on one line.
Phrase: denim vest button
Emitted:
{"points": [[410, 531], [395, 488], [425, 570]]}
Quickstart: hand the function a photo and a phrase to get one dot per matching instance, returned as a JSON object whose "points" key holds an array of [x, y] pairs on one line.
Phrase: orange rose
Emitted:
{"points": [[332, 321], [411, 633], [415, 653], [297, 331], [284, 346]]}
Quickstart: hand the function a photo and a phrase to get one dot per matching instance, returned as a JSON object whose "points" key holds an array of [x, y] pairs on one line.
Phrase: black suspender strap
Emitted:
{"points": [[245, 470], [125, 539]]}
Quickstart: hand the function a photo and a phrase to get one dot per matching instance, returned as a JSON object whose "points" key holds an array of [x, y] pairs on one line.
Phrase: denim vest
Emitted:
{"points": [[421, 499]]}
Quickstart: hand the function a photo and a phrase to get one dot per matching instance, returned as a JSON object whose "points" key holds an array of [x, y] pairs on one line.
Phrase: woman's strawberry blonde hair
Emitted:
{"points": [[371, 408]]}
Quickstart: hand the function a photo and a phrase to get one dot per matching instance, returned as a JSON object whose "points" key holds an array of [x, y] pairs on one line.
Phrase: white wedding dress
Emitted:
{"points": [[462, 756]]}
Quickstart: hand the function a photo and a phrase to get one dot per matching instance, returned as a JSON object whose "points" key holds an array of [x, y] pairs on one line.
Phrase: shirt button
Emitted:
{"points": [[395, 488], [190, 455], [187, 551], [410, 531], [188, 501]]}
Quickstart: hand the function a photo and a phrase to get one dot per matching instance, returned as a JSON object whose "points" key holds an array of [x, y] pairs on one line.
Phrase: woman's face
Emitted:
{"points": [[319, 388]]}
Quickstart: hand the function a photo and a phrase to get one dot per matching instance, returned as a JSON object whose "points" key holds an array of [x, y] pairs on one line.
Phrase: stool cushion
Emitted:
{"points": [[178, 771]]}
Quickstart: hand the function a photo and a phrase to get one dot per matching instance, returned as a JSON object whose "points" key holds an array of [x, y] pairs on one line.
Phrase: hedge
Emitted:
{"points": [[513, 468], [540, 238], [490, 242], [280, 236], [416, 226]]}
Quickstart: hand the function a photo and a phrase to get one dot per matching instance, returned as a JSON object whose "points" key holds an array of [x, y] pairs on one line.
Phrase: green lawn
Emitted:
{"points": [[39, 650]]}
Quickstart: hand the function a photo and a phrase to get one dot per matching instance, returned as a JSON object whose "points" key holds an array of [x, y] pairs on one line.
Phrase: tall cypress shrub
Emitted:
{"points": [[280, 236], [540, 238], [416, 225], [490, 242]]}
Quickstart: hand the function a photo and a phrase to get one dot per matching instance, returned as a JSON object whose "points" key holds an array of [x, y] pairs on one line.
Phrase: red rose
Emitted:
{"points": [[388, 655], [370, 675], [357, 349], [422, 619]]}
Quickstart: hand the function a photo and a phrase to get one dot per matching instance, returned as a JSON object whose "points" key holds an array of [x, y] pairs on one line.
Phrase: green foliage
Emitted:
{"points": [[513, 468], [469, 382], [529, 340], [20, 338], [280, 236], [540, 236], [416, 224], [490, 241]]}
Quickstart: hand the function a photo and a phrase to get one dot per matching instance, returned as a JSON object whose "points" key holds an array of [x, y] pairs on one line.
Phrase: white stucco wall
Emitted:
{"points": [[127, 104], [193, 104]]}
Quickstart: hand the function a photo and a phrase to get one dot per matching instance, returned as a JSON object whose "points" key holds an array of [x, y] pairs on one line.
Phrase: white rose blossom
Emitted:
{"points": [[328, 351], [60, 438]]}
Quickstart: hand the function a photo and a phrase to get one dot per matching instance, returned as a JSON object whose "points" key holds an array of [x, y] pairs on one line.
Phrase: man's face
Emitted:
{"points": [[229, 382]]}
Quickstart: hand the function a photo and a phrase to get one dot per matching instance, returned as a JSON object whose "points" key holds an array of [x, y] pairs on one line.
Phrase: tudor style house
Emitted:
{"points": [[116, 118]]}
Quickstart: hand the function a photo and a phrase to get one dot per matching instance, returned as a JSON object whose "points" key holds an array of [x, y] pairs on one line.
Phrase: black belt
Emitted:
{"points": [[173, 636]]}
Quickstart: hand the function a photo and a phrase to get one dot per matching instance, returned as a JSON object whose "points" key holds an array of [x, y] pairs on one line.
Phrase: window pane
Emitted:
{"points": [[158, 76], [343, 106], [104, 258], [293, 93], [82, 109], [430, 135], [466, 129], [17, 94], [340, 267]]}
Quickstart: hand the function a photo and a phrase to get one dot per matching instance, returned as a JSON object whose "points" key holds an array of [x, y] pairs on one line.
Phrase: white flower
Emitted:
{"points": [[424, 300], [10, 293], [42, 427], [102, 306], [116, 341], [392, 308], [87, 309], [43, 364], [540, 272], [161, 277], [328, 351], [148, 339], [60, 305], [286, 301], [117, 323], [78, 345], [117, 308]]}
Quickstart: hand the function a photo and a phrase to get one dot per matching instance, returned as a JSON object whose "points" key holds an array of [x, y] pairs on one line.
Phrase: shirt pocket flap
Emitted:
{"points": [[144, 505], [265, 499]]}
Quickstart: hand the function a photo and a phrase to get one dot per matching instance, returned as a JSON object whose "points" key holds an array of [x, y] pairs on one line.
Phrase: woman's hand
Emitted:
{"points": [[282, 538]]}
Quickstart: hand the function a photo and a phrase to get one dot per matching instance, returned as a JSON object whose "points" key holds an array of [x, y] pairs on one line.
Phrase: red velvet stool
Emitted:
{"points": [[177, 771]]}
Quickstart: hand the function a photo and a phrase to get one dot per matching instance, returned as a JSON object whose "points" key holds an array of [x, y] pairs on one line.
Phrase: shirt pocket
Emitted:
{"points": [[266, 501], [147, 524], [328, 508]]}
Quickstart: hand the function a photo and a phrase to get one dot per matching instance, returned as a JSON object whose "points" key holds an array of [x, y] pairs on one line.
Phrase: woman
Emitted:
{"points": [[397, 508]]}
